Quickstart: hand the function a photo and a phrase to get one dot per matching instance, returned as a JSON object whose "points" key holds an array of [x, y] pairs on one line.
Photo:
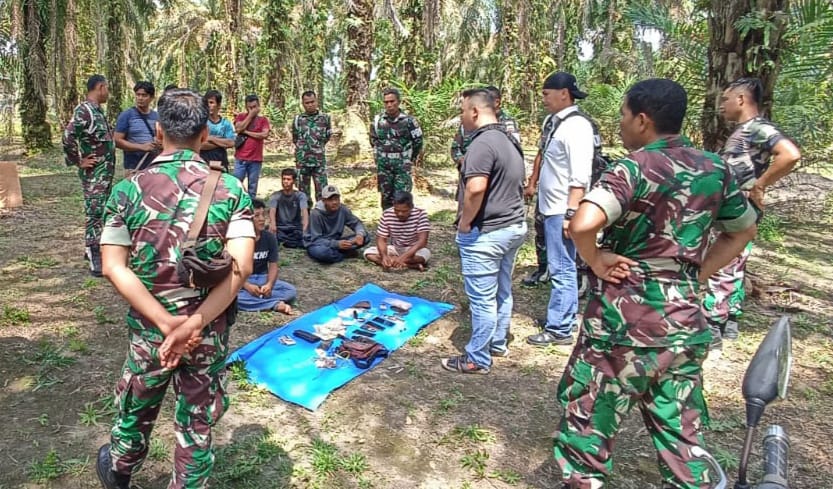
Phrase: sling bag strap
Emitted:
{"points": [[206, 197]]}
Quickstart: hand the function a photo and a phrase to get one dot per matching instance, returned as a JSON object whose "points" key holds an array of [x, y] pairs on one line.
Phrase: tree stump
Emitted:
{"points": [[11, 195]]}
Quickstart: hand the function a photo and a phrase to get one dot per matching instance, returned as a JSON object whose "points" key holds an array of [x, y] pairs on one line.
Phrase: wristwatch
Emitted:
{"points": [[569, 214]]}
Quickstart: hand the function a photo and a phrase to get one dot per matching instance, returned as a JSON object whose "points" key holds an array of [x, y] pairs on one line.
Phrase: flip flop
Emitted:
{"points": [[461, 364]]}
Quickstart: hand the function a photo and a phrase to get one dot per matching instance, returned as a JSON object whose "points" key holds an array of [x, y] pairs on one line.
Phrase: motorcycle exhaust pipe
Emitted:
{"points": [[776, 458]]}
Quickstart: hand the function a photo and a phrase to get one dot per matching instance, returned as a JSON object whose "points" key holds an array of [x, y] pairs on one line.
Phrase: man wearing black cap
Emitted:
{"points": [[334, 232], [564, 176]]}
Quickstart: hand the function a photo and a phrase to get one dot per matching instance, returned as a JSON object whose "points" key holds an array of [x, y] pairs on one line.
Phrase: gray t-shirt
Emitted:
{"points": [[494, 154]]}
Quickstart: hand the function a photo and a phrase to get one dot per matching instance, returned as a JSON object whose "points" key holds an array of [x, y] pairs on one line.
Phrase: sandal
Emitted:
{"points": [[463, 365]]}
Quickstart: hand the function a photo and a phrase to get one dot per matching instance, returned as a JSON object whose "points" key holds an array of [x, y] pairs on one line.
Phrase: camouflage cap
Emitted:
{"points": [[329, 191]]}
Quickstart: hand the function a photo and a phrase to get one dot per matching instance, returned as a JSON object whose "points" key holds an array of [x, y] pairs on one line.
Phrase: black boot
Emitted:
{"points": [[539, 276], [94, 253], [108, 478]]}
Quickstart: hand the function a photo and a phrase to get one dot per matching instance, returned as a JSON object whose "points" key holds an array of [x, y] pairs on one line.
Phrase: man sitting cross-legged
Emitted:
{"points": [[289, 212], [334, 233], [263, 291], [402, 236]]}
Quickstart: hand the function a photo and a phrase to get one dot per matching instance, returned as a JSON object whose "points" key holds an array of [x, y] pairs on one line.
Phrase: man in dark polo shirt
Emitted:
{"points": [[490, 230], [289, 212]]}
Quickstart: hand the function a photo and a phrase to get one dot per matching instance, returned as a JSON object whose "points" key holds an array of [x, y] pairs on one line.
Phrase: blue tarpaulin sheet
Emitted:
{"points": [[290, 372]]}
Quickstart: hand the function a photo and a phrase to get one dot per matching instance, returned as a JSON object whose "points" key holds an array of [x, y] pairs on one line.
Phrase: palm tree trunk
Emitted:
{"points": [[275, 42], [234, 12], [734, 55], [114, 59], [357, 69], [69, 66], [37, 134]]}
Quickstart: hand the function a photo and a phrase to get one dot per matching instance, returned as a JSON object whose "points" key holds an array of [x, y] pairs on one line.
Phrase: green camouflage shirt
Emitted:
{"points": [[310, 134], [660, 202], [748, 149], [461, 140], [397, 138], [88, 133], [151, 211]]}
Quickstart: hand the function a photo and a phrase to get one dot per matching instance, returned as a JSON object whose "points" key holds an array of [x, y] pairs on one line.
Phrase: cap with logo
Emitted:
{"points": [[329, 191]]}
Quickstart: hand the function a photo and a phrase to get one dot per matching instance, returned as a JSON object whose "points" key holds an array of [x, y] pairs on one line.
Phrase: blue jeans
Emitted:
{"points": [[487, 261], [249, 170], [281, 292], [322, 252], [561, 261]]}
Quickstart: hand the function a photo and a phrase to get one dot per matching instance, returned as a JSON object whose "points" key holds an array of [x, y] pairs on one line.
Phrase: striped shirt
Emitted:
{"points": [[403, 233]]}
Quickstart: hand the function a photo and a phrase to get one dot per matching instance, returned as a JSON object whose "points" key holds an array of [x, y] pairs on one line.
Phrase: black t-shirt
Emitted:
{"points": [[494, 154], [266, 252]]}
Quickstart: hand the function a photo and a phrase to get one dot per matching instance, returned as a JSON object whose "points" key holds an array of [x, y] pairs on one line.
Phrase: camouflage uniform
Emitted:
{"points": [[310, 134], [747, 152], [644, 340], [150, 212], [396, 142], [88, 133]]}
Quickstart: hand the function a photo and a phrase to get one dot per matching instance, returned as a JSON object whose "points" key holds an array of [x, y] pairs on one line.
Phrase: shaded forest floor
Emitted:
{"points": [[407, 423]]}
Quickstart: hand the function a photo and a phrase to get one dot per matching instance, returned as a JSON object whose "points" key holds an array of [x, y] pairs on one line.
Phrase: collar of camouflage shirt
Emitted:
{"points": [[675, 141], [179, 155]]}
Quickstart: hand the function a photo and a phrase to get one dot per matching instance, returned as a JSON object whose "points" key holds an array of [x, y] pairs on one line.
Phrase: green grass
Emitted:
{"points": [[36, 263], [254, 461], [158, 450], [771, 229], [476, 462], [52, 467], [14, 316], [469, 434]]}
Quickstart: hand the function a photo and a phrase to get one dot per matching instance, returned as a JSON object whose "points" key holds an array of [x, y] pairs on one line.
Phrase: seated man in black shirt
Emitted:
{"points": [[263, 291], [288, 212], [334, 233]]}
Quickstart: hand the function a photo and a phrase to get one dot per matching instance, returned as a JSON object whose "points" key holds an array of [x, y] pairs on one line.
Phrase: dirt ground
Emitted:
{"points": [[407, 423]]}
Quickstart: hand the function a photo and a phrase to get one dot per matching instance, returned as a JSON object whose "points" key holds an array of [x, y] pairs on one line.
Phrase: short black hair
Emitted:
{"points": [[403, 197], [170, 86], [664, 101], [183, 114], [94, 81], [308, 93], [252, 98], [258, 203], [290, 171], [495, 91], [481, 97], [392, 91], [146, 86], [752, 86], [216, 95]]}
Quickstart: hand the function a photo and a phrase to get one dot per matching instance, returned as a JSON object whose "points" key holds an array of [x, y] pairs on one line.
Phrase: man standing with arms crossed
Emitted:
{"points": [[491, 228], [397, 143], [759, 155], [644, 336], [566, 167], [147, 220], [248, 157], [88, 144], [310, 133], [220, 131]]}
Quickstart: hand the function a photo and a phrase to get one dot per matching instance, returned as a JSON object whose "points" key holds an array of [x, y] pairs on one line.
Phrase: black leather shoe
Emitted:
{"points": [[546, 338], [108, 478]]}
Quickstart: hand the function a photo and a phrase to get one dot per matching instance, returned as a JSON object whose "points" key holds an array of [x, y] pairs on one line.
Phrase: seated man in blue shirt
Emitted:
{"points": [[263, 291], [334, 233]]}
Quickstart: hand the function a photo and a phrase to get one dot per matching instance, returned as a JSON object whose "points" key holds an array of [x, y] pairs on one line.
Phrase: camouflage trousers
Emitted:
{"points": [[96, 183], [392, 176], [726, 292], [318, 175], [601, 384], [199, 387]]}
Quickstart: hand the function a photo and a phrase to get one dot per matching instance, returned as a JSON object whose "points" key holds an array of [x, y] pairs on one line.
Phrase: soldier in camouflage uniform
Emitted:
{"points": [[644, 336], [310, 133], [88, 144], [397, 143], [146, 221], [759, 155]]}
